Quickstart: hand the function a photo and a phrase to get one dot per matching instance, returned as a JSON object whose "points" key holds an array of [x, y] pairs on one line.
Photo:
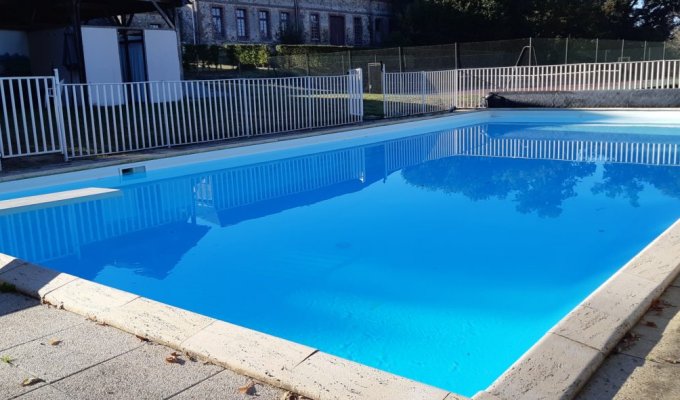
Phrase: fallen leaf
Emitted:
{"points": [[174, 354], [31, 381], [171, 359], [142, 338], [54, 342], [248, 389], [651, 324], [627, 341]]}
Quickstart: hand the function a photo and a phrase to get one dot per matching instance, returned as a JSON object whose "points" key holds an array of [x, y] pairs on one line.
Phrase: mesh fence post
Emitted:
{"points": [[623, 44], [401, 60], [455, 55]]}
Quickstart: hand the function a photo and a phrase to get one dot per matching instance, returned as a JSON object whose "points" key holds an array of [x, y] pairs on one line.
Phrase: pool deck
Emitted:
{"points": [[646, 363], [77, 358]]}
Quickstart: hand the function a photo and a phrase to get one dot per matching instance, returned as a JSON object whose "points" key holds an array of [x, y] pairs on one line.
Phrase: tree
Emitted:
{"points": [[446, 21]]}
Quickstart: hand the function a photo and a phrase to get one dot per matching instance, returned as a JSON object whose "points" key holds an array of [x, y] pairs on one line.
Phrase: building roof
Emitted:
{"points": [[40, 14]]}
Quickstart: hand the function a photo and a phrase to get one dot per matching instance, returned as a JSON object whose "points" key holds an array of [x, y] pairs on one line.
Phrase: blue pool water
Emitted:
{"points": [[441, 256]]}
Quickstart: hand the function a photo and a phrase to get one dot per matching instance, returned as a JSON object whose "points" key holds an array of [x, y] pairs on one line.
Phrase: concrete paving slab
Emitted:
{"points": [[156, 321], [46, 392], [139, 374], [35, 281], [326, 377], [11, 302], [23, 319], [80, 347], [623, 377], [226, 385], [10, 381]]}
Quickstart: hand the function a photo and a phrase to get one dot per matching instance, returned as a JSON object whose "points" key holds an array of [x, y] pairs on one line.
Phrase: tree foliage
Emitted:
{"points": [[446, 21]]}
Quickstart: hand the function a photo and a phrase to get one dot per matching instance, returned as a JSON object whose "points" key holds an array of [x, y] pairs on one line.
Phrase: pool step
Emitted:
{"points": [[29, 203]]}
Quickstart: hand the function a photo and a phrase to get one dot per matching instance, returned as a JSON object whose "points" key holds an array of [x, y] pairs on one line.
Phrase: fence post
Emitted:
{"points": [[383, 83], [401, 63], [455, 55], [623, 45], [308, 90], [422, 89], [59, 115], [455, 88], [663, 55], [597, 48], [566, 52]]}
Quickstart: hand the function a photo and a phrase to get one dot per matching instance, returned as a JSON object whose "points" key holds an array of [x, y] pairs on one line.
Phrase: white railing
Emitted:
{"points": [[475, 141], [114, 118], [29, 117], [40, 115], [410, 93], [423, 92]]}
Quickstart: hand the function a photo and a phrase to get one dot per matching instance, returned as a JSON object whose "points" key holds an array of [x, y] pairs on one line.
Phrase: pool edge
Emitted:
{"points": [[276, 361], [562, 361]]}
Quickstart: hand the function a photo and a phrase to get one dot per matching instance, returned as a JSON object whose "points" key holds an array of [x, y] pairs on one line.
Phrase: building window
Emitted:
{"points": [[217, 14], [378, 30], [263, 17], [314, 28], [358, 31], [284, 19], [241, 23]]}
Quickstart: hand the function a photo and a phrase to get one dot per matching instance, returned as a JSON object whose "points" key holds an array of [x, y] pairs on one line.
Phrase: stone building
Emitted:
{"points": [[339, 22]]}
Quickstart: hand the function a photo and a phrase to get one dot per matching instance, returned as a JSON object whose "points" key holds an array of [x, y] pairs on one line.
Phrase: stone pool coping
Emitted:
{"points": [[279, 362]]}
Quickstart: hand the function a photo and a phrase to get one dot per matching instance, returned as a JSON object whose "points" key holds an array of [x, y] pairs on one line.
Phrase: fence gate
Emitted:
{"points": [[29, 116], [375, 71]]}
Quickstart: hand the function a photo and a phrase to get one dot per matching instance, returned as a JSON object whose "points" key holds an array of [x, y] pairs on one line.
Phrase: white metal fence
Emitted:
{"points": [[29, 117], [40, 115], [422, 92]]}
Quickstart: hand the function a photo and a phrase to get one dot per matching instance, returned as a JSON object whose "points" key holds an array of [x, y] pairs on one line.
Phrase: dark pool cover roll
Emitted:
{"points": [[656, 98]]}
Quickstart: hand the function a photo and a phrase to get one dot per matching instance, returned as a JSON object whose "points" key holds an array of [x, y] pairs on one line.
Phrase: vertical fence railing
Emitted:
{"points": [[29, 117], [115, 118], [422, 92], [41, 115]]}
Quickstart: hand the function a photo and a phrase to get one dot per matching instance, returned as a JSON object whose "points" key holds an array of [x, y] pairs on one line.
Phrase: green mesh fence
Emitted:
{"points": [[501, 53]]}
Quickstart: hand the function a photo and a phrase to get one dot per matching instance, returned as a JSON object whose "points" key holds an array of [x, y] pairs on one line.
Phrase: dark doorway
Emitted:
{"points": [[337, 25], [132, 58]]}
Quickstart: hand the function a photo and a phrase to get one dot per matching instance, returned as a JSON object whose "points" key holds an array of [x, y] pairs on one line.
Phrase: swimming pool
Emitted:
{"points": [[440, 255]]}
